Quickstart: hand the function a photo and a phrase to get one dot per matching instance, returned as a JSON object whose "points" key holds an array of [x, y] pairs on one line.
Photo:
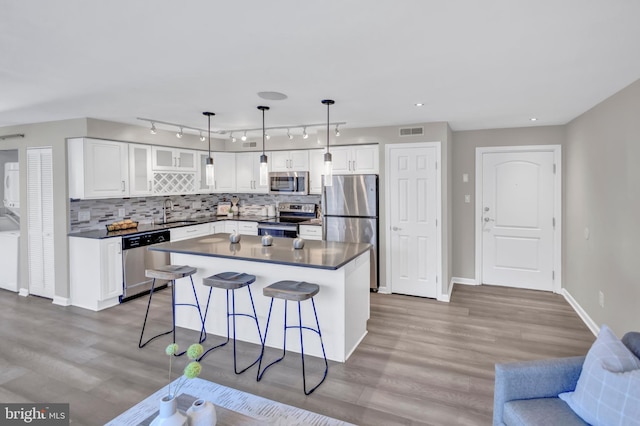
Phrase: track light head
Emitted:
{"points": [[305, 135], [180, 134], [202, 138], [289, 135], [244, 137], [337, 130], [153, 128], [233, 138], [266, 135]]}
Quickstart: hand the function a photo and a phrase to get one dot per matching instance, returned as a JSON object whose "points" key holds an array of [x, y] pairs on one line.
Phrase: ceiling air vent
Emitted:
{"points": [[411, 131], [249, 144]]}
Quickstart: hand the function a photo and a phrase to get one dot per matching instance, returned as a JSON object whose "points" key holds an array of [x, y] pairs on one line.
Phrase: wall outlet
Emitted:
{"points": [[84, 216], [467, 198], [601, 299], [121, 212], [465, 177]]}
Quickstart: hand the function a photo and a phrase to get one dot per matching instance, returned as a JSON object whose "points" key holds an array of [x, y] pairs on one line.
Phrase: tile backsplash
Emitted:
{"points": [[146, 209]]}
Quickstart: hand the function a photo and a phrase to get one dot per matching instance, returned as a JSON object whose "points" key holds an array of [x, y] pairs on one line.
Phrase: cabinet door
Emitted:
{"points": [[299, 161], [365, 159], [105, 169], [341, 159], [279, 161], [140, 172], [163, 158], [110, 268], [185, 159], [316, 169], [225, 171], [230, 226], [245, 180]]}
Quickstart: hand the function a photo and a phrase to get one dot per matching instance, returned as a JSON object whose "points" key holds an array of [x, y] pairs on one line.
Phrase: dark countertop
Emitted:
{"points": [[314, 222], [315, 254], [177, 223]]}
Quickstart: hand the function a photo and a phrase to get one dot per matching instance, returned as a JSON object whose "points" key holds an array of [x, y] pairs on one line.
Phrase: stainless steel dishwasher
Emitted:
{"points": [[136, 258]]}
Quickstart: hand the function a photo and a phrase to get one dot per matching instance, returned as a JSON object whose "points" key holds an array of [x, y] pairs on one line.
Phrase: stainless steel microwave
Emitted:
{"points": [[293, 183]]}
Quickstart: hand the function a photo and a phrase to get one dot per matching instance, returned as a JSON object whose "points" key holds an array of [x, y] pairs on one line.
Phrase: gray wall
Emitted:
{"points": [[464, 161], [602, 181]]}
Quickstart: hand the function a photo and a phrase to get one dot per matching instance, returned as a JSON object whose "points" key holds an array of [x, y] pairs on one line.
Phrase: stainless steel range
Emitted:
{"points": [[286, 224]]}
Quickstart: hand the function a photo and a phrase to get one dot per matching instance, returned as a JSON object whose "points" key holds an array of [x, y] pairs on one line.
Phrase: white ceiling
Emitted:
{"points": [[475, 64]]}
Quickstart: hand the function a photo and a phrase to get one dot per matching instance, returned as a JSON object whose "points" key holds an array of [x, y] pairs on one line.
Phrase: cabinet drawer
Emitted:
{"points": [[311, 232], [192, 231], [248, 228]]}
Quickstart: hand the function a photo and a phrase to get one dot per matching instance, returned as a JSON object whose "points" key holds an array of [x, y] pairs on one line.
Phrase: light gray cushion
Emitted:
{"points": [[597, 399], [540, 411]]}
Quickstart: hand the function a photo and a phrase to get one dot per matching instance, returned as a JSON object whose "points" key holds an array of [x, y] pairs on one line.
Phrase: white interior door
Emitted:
{"points": [[413, 212], [40, 219], [518, 197]]}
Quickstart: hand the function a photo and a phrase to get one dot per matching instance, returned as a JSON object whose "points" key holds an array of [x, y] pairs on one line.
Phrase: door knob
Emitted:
{"points": [[486, 219], [395, 228]]}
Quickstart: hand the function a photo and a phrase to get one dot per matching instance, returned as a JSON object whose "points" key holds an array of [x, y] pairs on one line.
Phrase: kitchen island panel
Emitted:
{"points": [[342, 303]]}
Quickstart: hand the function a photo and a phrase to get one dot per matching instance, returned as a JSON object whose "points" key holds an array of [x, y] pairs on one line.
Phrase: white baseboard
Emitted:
{"points": [[465, 281], [62, 301], [384, 290], [447, 297], [23, 292], [591, 324]]}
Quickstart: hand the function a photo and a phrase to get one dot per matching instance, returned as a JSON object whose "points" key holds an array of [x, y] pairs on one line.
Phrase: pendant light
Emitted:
{"points": [[264, 166], [328, 165], [209, 172]]}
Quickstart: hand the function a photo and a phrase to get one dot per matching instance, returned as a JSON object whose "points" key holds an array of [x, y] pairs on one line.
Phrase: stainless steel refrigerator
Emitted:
{"points": [[350, 214]]}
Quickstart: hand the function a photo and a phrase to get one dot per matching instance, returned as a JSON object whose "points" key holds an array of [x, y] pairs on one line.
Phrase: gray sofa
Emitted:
{"points": [[526, 393]]}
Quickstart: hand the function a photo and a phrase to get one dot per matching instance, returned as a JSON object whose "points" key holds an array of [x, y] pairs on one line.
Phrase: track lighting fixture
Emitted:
{"points": [[289, 135], [328, 164], [180, 134], [244, 137], [305, 135], [337, 130], [264, 166], [266, 135], [209, 171], [202, 138], [153, 128], [233, 139]]}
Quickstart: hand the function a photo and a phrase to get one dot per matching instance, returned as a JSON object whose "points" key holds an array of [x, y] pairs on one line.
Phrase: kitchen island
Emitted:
{"points": [[340, 269]]}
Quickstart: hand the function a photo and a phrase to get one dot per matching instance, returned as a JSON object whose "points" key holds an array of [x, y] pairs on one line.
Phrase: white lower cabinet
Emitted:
{"points": [[310, 232], [95, 269], [216, 227]]}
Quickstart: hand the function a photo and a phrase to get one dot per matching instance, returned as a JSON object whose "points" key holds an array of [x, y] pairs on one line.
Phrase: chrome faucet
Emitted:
{"points": [[164, 209]]}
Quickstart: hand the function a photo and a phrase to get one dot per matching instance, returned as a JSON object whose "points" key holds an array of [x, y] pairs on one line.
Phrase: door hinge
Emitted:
{"points": [[553, 275], [436, 279], [436, 165], [436, 223], [554, 222], [554, 168]]}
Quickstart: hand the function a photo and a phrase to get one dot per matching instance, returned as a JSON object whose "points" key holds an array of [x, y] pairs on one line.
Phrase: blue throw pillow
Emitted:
{"points": [[608, 391]]}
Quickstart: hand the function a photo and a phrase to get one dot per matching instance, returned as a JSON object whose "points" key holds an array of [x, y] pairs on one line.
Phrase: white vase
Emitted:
{"points": [[202, 413], [169, 414]]}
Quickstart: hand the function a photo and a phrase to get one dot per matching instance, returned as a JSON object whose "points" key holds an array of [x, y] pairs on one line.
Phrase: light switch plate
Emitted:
{"points": [[465, 177], [467, 198], [84, 216]]}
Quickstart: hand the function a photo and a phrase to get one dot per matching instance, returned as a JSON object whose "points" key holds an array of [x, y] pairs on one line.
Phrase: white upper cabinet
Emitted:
{"points": [[98, 168], [140, 171], [356, 159], [167, 158], [248, 173], [225, 171], [289, 161], [316, 169]]}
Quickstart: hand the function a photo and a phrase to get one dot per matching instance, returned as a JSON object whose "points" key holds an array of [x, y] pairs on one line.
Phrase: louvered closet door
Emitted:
{"points": [[40, 221]]}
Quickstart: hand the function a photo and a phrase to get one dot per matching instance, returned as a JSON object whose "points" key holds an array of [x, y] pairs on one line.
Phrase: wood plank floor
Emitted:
{"points": [[422, 363]]}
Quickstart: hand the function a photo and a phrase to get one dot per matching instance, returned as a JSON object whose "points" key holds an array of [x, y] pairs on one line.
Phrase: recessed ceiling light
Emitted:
{"points": [[533, 119], [419, 104], [272, 96]]}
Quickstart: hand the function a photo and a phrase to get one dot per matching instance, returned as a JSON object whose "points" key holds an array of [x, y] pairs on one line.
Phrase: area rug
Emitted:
{"points": [[263, 410]]}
